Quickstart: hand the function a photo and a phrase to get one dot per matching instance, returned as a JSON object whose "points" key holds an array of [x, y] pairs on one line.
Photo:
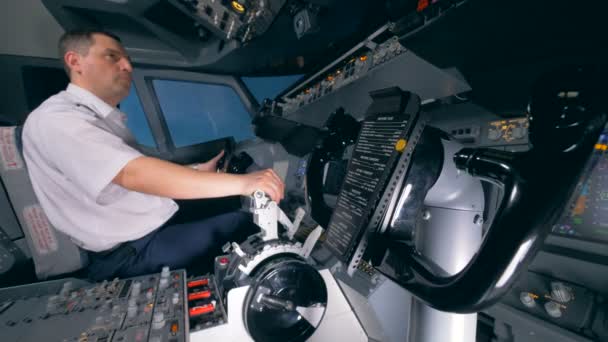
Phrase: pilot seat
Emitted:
{"points": [[52, 252]]}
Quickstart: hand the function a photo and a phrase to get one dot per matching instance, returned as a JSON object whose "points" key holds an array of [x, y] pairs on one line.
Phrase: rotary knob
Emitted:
{"points": [[158, 321], [553, 309], [561, 293], [136, 289], [132, 308], [527, 300], [517, 133], [494, 134], [52, 303], [165, 272], [163, 283], [65, 290]]}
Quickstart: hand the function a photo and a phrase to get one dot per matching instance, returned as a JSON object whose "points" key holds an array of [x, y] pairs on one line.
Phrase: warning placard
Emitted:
{"points": [[11, 160], [42, 234]]}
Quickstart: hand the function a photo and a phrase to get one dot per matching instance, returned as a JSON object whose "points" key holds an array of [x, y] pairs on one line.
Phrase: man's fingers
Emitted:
{"points": [[276, 177], [267, 181], [219, 155], [278, 184], [271, 190]]}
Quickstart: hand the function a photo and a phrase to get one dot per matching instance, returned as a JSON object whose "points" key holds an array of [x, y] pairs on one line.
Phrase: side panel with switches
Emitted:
{"points": [[205, 309], [147, 308]]}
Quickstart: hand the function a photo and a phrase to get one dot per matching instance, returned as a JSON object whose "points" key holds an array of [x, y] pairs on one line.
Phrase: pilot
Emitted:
{"points": [[96, 187]]}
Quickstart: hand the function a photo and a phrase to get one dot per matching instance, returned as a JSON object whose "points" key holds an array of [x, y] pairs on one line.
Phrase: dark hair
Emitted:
{"points": [[79, 41]]}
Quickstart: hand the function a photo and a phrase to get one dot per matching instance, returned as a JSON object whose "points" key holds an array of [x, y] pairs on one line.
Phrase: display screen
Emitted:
{"points": [[587, 217]]}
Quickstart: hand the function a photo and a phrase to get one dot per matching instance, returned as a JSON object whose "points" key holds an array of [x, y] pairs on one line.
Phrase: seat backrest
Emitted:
{"points": [[53, 252]]}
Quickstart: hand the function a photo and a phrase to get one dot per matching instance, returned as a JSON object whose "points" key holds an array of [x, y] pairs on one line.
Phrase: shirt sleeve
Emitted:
{"points": [[84, 153]]}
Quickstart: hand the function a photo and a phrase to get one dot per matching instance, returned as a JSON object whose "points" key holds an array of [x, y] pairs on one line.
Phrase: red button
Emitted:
{"points": [[224, 261]]}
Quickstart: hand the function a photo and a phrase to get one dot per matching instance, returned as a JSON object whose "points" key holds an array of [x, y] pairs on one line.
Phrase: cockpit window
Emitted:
{"points": [[200, 112], [136, 119], [269, 87]]}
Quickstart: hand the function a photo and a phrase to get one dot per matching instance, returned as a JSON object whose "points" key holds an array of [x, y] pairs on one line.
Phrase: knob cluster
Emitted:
{"points": [[561, 293], [554, 305]]}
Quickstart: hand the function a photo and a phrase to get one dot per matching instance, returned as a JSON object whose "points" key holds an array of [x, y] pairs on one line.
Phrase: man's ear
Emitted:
{"points": [[72, 60]]}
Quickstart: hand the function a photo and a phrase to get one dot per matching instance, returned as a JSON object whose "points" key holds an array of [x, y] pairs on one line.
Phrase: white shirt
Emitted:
{"points": [[73, 149]]}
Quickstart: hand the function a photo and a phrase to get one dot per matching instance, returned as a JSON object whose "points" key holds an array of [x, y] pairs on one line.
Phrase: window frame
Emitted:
{"points": [[279, 94], [143, 80]]}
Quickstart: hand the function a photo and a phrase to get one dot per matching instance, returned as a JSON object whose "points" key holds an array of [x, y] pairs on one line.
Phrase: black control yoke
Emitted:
{"points": [[566, 119], [341, 130]]}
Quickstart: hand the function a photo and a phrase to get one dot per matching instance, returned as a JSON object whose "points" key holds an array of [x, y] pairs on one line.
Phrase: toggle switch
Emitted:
{"points": [[199, 282], [201, 310], [199, 295]]}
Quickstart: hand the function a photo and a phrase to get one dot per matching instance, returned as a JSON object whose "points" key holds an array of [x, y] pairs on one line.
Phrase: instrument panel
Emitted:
{"points": [[146, 308], [587, 217], [507, 131], [344, 71]]}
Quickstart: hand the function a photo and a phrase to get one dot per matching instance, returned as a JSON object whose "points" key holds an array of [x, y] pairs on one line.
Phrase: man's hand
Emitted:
{"points": [[265, 180], [211, 165]]}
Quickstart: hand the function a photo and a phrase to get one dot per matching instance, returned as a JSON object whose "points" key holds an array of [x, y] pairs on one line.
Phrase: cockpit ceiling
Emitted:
{"points": [[501, 47], [167, 33]]}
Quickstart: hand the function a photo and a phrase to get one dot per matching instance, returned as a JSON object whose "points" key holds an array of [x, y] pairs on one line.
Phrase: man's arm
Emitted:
{"points": [[162, 178]]}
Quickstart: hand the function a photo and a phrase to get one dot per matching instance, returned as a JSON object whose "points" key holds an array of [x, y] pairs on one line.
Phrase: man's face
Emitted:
{"points": [[105, 70]]}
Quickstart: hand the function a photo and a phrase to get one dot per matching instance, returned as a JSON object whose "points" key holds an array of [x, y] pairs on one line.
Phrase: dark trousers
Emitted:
{"points": [[191, 245]]}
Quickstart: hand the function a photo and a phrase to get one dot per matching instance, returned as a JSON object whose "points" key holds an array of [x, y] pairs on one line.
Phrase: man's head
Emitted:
{"points": [[97, 61]]}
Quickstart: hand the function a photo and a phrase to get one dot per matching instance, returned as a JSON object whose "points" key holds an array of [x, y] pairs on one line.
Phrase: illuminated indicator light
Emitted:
{"points": [[604, 147], [201, 310], [174, 328], [581, 205], [598, 146], [400, 145], [224, 261], [363, 58], [422, 5], [199, 295], [238, 7], [200, 282], [330, 78], [338, 72]]}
